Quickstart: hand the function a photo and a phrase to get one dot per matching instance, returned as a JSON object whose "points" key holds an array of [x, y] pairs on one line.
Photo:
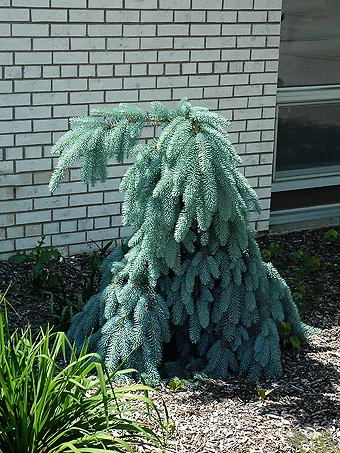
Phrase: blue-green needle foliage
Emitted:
{"points": [[193, 274]]}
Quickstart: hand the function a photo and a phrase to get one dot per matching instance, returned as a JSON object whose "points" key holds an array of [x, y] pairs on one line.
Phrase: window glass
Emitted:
{"points": [[308, 138], [310, 43]]}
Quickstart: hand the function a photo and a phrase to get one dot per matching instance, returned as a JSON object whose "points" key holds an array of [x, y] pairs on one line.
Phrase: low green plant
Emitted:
{"points": [[287, 337], [54, 400], [176, 384], [274, 254], [43, 280], [263, 393], [332, 236]]}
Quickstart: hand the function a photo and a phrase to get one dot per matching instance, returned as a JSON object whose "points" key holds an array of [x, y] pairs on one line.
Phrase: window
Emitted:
{"points": [[308, 110]]}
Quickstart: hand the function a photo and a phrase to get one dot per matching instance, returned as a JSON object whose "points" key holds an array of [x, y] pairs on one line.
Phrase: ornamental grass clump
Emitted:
{"points": [[52, 406], [191, 291]]}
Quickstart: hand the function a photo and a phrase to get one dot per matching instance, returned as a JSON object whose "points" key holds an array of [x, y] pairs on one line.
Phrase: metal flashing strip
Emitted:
{"points": [[310, 94], [310, 216]]}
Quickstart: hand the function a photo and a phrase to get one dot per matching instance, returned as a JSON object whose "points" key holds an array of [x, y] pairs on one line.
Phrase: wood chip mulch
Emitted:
{"points": [[301, 413]]}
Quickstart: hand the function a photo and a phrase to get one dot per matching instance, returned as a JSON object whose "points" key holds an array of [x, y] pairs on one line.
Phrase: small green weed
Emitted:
{"points": [[44, 280], [263, 393], [176, 384], [332, 236], [319, 442], [287, 339]]}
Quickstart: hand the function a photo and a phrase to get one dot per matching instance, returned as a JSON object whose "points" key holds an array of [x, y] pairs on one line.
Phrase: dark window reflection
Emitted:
{"points": [[308, 137], [310, 43]]}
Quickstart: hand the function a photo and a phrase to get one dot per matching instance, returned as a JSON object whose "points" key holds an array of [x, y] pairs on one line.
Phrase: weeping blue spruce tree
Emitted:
{"points": [[191, 280]]}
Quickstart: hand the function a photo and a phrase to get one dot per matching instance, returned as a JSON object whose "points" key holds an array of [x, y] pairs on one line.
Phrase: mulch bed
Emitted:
{"points": [[218, 416]]}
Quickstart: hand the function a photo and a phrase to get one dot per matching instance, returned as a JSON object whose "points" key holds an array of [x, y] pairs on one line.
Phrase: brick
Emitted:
{"points": [[172, 81], [207, 4], [242, 114], [192, 93], [15, 232], [175, 4], [13, 72], [69, 213], [251, 41], [248, 90], [188, 42], [85, 224], [138, 30], [49, 15], [69, 71], [31, 3], [122, 96], [254, 66], [238, 4], [27, 86], [106, 57], [106, 4], [260, 124], [170, 68], [16, 14], [68, 226], [189, 16], [6, 246], [6, 113], [6, 140], [102, 234], [49, 98], [30, 30], [259, 170], [50, 228], [266, 29], [122, 16], [14, 99], [69, 84], [33, 230], [33, 72], [202, 80], [122, 43], [104, 210], [148, 56], [68, 30], [141, 4], [86, 15], [67, 111], [6, 220], [105, 30], [236, 29], [15, 43], [157, 16], [205, 29], [264, 54], [87, 43], [236, 54], [5, 29], [51, 202], [221, 16], [51, 44], [267, 4], [262, 101], [102, 222], [86, 199], [33, 152], [173, 29], [273, 41], [68, 4], [140, 82], [274, 16], [8, 127], [15, 205], [138, 69], [263, 78], [5, 86], [14, 180], [236, 67], [220, 42], [105, 84], [252, 16], [68, 238], [87, 71], [33, 164], [205, 55], [50, 124], [205, 68], [82, 97], [156, 43], [33, 57]]}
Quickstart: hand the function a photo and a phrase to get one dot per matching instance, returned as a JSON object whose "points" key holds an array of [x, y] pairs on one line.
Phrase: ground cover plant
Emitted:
{"points": [[54, 400], [192, 275]]}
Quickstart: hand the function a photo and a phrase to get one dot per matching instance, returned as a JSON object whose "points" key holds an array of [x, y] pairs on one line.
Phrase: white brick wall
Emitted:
{"points": [[60, 58]]}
